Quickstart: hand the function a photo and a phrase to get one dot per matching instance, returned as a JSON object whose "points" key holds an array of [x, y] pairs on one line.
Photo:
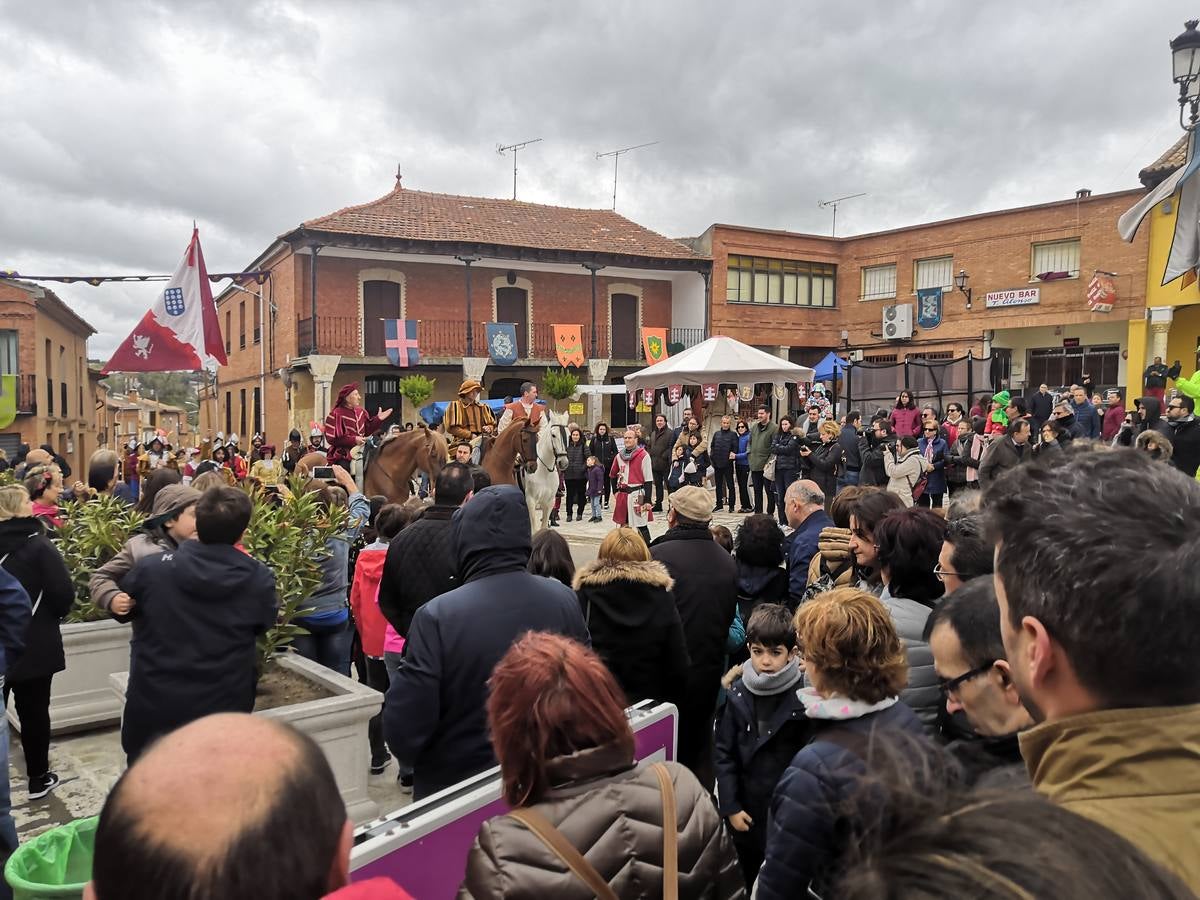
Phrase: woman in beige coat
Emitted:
{"points": [[905, 466], [566, 757]]}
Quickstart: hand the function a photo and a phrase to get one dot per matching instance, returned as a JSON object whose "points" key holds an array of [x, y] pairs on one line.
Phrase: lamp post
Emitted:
{"points": [[960, 282], [594, 268], [466, 260], [1185, 66]]}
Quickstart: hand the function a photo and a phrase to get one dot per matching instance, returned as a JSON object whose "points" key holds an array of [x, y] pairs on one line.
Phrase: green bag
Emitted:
{"points": [[55, 864]]}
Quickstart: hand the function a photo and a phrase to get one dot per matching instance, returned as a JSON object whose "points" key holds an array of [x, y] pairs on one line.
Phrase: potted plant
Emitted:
{"points": [[559, 384], [95, 645]]}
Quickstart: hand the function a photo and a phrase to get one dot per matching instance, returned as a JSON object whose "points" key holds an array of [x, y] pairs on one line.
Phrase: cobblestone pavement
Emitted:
{"points": [[89, 763]]}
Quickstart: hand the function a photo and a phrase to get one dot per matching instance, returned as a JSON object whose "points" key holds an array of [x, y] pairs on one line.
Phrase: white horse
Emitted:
{"points": [[542, 484]]}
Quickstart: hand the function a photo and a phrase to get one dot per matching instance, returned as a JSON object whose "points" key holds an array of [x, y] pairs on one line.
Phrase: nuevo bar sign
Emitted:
{"points": [[1023, 297]]}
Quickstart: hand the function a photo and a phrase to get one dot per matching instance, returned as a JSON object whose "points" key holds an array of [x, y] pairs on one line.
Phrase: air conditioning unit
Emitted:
{"points": [[856, 356], [897, 322]]}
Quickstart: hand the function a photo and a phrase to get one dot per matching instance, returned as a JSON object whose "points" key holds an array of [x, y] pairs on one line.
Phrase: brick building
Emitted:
{"points": [[316, 323], [801, 295], [44, 344], [129, 416]]}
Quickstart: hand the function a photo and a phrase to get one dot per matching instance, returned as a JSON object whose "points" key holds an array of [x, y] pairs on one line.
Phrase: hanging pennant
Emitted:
{"points": [[745, 392], [1101, 292], [633, 399], [674, 393], [780, 391], [801, 393], [708, 392], [648, 396]]}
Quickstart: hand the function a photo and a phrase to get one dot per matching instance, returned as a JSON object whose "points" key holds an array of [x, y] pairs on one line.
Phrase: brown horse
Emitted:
{"points": [[501, 458], [394, 462]]}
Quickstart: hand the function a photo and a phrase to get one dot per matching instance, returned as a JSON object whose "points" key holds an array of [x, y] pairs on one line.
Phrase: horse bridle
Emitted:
{"points": [[562, 431]]}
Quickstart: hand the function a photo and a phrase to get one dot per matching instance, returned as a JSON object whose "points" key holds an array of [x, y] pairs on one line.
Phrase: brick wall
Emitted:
{"points": [[994, 249]]}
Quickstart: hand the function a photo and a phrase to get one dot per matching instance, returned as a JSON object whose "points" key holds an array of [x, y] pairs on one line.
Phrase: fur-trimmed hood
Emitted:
{"points": [[601, 572]]}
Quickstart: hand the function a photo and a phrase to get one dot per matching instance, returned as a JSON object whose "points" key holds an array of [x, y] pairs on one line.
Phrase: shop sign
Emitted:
{"points": [[1022, 297]]}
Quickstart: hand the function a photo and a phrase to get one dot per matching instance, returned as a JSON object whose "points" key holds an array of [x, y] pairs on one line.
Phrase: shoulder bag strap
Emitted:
{"points": [[670, 834], [564, 850]]}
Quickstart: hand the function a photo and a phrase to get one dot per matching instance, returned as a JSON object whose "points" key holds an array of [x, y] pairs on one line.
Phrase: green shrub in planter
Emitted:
{"points": [[93, 533]]}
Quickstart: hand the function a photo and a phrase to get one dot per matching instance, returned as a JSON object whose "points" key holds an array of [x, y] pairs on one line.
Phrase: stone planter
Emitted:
{"points": [[82, 697], [338, 724]]}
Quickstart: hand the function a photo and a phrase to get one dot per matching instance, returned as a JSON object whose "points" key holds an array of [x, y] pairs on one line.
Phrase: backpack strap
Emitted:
{"points": [[565, 851], [670, 833]]}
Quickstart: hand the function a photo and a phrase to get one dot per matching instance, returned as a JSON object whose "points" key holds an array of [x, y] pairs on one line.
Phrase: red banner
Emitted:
{"points": [[674, 393], [1101, 293], [708, 392]]}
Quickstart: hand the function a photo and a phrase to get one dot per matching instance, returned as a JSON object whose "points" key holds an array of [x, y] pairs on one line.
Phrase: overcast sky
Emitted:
{"points": [[124, 121]]}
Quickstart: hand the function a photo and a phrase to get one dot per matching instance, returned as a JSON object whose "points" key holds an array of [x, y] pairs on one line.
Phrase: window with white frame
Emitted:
{"points": [[1057, 259], [931, 273], [878, 282]]}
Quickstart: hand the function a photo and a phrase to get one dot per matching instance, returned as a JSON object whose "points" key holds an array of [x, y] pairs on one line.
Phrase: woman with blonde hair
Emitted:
{"points": [[630, 612], [855, 666], [826, 461], [588, 821], [30, 556]]}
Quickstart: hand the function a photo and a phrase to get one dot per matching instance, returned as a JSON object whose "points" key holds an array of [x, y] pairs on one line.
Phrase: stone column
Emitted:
{"points": [[597, 372], [1160, 330], [323, 369]]}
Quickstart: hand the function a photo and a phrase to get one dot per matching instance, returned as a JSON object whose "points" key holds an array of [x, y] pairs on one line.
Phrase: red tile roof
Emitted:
{"points": [[1175, 157], [421, 216]]}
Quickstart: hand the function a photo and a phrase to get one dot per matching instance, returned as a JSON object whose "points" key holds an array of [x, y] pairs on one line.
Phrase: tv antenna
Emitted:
{"points": [[825, 204], [616, 155], [502, 149]]}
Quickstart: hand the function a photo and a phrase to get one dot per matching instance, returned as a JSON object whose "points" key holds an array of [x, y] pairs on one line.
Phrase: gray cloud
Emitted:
{"points": [[127, 120]]}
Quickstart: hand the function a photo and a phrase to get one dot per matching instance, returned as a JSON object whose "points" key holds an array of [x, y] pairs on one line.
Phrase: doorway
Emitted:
{"points": [[381, 300], [512, 305], [623, 314]]}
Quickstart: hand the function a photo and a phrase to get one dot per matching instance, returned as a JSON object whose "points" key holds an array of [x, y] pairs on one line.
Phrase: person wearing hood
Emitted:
{"points": [[197, 614], [30, 556], [348, 425], [1149, 418], [630, 613], [434, 718], [172, 521], [997, 417], [761, 577]]}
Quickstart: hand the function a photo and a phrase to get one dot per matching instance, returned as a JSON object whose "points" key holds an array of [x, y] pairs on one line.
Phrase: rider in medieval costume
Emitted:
{"points": [[348, 425], [316, 440], [467, 416], [633, 476], [525, 405]]}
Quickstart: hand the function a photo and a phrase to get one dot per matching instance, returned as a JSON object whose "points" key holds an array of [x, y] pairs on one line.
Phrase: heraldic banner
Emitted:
{"points": [[568, 344], [929, 307], [654, 343], [502, 342], [400, 342]]}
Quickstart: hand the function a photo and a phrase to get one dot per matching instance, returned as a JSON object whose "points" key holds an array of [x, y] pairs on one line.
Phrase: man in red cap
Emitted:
{"points": [[348, 426]]}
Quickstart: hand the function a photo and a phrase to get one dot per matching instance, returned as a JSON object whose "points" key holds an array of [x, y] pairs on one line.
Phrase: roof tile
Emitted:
{"points": [[1171, 160], [422, 216]]}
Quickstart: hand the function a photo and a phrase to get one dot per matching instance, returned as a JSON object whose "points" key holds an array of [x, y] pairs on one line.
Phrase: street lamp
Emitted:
{"points": [[1185, 65], [960, 282]]}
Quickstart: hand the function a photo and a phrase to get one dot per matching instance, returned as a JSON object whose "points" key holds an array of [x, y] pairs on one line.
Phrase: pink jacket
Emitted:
{"points": [[906, 421]]}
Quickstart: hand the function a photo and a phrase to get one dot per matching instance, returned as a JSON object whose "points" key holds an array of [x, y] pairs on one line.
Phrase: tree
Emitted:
{"points": [[560, 384], [417, 389]]}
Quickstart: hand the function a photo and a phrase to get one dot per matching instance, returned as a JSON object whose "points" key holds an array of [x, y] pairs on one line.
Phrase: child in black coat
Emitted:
{"points": [[762, 727]]}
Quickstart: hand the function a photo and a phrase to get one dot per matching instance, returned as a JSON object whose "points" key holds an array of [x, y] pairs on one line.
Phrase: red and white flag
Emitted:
{"points": [[180, 333]]}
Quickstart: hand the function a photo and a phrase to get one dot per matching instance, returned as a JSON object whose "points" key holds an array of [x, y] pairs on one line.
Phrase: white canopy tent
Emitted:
{"points": [[719, 360]]}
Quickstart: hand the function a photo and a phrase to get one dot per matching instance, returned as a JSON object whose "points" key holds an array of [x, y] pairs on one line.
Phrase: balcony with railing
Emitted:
{"points": [[26, 395], [446, 339]]}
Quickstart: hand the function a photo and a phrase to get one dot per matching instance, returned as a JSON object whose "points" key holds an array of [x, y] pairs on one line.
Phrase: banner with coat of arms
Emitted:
{"points": [[1101, 293], [708, 392], [502, 342], [568, 344], [929, 307], [654, 343], [745, 393]]}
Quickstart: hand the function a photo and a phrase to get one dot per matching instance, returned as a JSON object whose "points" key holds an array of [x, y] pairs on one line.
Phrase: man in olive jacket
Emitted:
{"points": [[1104, 656], [762, 433]]}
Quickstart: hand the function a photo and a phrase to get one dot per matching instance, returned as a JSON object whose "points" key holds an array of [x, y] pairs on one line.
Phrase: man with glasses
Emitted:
{"points": [[741, 467], [966, 553], [973, 673], [722, 450], [1185, 435]]}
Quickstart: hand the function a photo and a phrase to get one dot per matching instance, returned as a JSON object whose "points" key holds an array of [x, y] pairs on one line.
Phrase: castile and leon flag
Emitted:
{"points": [[180, 333]]}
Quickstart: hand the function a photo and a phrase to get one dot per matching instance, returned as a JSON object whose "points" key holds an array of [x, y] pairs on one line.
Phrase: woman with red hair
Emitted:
{"points": [[587, 820]]}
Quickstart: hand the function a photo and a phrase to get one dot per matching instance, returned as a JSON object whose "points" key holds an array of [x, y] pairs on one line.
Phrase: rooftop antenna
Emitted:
{"points": [[616, 155], [502, 149], [824, 204]]}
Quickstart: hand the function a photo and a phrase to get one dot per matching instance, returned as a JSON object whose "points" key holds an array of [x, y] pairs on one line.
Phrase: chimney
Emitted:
{"points": [[1083, 193], [132, 395]]}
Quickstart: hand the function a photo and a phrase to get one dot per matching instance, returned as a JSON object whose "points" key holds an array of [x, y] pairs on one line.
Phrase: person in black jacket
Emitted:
{"points": [[706, 596], [434, 717], [852, 446], [1185, 434], [855, 664], [723, 449], [14, 624], [786, 450], [825, 462], [30, 556], [604, 448], [197, 615], [630, 613], [761, 728], [420, 561], [873, 472], [761, 577], [576, 474]]}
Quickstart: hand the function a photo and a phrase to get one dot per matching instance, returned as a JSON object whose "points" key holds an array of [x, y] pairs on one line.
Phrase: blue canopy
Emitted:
{"points": [[433, 413], [829, 368]]}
